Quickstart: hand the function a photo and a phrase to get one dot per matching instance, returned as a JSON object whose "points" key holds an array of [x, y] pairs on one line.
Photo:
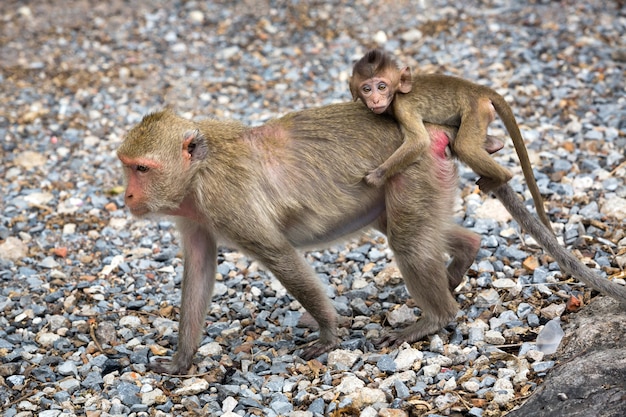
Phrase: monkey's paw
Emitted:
{"points": [[375, 178], [389, 339], [317, 349], [168, 367], [487, 185]]}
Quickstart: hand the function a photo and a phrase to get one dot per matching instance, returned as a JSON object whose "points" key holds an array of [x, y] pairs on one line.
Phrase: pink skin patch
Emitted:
{"points": [[445, 171], [439, 143]]}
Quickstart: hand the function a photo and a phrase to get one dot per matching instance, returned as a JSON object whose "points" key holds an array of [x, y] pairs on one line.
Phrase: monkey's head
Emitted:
{"points": [[160, 156], [376, 78]]}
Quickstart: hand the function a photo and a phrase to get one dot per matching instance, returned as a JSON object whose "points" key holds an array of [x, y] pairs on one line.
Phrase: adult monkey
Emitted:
{"points": [[385, 88], [296, 182], [292, 183]]}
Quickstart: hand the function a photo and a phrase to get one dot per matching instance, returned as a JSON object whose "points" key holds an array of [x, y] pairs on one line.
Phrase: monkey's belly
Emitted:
{"points": [[312, 231]]}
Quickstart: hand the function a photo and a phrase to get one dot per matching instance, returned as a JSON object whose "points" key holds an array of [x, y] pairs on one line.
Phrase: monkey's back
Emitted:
{"points": [[439, 98], [338, 144]]}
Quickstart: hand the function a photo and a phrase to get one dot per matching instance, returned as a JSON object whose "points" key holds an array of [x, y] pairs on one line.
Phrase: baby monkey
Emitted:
{"points": [[443, 99]]}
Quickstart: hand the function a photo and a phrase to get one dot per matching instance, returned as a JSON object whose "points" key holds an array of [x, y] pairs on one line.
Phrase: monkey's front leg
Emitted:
{"points": [[416, 141], [200, 258]]}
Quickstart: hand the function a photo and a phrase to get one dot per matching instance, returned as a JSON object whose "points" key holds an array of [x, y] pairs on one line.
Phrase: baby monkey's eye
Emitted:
{"points": [[142, 168]]}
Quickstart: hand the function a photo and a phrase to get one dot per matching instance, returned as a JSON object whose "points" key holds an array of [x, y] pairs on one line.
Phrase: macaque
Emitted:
{"points": [[385, 88], [295, 183], [292, 183]]}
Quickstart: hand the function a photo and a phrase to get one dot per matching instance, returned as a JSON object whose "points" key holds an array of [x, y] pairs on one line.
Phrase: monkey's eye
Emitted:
{"points": [[366, 89], [142, 168], [382, 87]]}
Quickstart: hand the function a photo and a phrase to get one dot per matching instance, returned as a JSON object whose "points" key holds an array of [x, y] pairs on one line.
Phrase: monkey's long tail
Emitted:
{"points": [[568, 262], [508, 118]]}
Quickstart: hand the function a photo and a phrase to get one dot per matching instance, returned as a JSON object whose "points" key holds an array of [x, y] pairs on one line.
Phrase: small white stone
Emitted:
{"points": [[504, 283], [412, 35], [154, 397], [471, 385], [343, 358], [493, 209], [367, 396], [494, 337], [69, 229], [30, 159], [380, 37], [210, 349], [450, 384], [118, 223], [408, 359], [130, 321], [196, 16], [614, 207], [39, 199], [192, 386], [431, 371], [13, 249], [46, 339], [504, 392], [401, 315], [368, 412], [350, 384]]}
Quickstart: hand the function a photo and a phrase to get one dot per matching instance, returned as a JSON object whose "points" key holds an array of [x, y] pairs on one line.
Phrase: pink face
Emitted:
{"points": [[138, 174], [376, 93]]}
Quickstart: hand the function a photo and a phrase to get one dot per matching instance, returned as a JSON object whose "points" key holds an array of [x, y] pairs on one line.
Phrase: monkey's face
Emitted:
{"points": [[377, 93]]}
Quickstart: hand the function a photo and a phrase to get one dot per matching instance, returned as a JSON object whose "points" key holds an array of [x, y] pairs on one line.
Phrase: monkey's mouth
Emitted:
{"points": [[378, 110]]}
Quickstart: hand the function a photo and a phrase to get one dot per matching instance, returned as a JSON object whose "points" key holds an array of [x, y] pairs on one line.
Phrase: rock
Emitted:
{"points": [[30, 160], [380, 38], [13, 249], [493, 209], [494, 337], [47, 339], [412, 35], [386, 364], [487, 298], [38, 199], [553, 311], [408, 359], [614, 207], [192, 386], [210, 349], [367, 396], [350, 384], [401, 315], [591, 376], [503, 389], [431, 370], [344, 359], [155, 396]]}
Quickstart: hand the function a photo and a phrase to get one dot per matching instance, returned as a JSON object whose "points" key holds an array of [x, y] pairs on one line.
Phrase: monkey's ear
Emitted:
{"points": [[194, 146], [355, 96], [406, 83]]}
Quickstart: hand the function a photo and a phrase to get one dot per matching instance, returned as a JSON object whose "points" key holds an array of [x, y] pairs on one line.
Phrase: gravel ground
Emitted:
{"points": [[88, 295]]}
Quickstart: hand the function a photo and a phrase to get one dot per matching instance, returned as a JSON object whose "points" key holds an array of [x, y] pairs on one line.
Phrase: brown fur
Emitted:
{"points": [[436, 98], [295, 182]]}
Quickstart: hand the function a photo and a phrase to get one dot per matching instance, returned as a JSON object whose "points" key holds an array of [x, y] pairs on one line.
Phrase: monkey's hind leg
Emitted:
{"points": [[418, 217], [472, 147], [463, 246]]}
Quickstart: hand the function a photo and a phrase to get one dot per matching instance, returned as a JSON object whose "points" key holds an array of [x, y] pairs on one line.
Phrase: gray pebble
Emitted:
{"points": [[541, 367], [386, 363]]}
